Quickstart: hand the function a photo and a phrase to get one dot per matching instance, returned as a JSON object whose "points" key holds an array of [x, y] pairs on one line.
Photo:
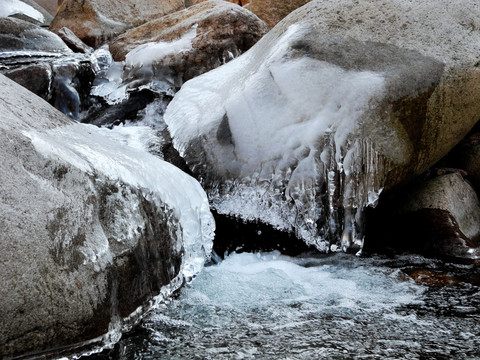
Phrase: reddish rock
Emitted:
{"points": [[272, 11], [97, 21], [431, 278], [218, 31]]}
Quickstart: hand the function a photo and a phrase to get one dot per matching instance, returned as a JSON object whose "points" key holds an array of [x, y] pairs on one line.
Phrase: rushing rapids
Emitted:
{"points": [[269, 306]]}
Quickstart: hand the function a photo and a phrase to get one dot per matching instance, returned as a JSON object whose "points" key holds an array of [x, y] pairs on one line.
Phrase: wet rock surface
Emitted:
{"points": [[42, 62], [17, 35]]}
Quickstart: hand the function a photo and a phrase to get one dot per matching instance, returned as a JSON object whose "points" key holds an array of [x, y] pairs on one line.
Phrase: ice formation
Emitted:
{"points": [[121, 156], [12, 7], [137, 71], [273, 136]]}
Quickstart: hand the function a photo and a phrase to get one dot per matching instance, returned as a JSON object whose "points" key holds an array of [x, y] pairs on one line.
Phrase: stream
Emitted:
{"points": [[271, 306]]}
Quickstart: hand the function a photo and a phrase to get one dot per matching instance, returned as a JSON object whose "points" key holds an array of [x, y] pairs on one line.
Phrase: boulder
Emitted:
{"points": [[92, 229], [272, 11], [96, 21], [189, 42], [159, 56], [338, 102], [21, 36], [72, 41], [437, 217], [41, 61], [27, 10]]}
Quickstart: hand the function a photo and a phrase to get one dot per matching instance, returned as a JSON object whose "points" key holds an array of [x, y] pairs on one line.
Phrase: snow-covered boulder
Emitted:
{"points": [[96, 21], [27, 10], [190, 42], [341, 100], [92, 229]]}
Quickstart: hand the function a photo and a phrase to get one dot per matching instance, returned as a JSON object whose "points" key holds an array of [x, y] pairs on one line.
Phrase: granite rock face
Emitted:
{"points": [[92, 230]]}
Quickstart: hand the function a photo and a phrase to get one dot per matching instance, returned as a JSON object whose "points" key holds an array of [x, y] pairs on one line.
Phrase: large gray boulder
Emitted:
{"points": [[337, 103], [92, 229], [97, 21]]}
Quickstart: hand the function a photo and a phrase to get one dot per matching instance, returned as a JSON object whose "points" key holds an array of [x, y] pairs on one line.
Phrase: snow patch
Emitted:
{"points": [[146, 54]]}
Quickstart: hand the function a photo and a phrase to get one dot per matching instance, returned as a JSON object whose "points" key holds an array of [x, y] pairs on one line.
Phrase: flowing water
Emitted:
{"points": [[271, 306]]}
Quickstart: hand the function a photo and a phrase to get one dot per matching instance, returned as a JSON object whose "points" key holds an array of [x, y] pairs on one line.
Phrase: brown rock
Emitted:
{"points": [[238, 2], [222, 31], [96, 21], [272, 11], [431, 278]]}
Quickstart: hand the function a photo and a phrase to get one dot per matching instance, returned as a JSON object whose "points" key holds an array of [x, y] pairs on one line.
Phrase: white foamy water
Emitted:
{"points": [[270, 306]]}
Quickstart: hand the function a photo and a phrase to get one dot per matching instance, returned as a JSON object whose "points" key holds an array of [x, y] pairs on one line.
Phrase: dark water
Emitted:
{"points": [[269, 306]]}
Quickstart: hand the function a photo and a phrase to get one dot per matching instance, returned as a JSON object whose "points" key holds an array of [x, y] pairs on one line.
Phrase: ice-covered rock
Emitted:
{"points": [[27, 10], [340, 100], [97, 21], [93, 227], [41, 61], [162, 54], [192, 41], [17, 35]]}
